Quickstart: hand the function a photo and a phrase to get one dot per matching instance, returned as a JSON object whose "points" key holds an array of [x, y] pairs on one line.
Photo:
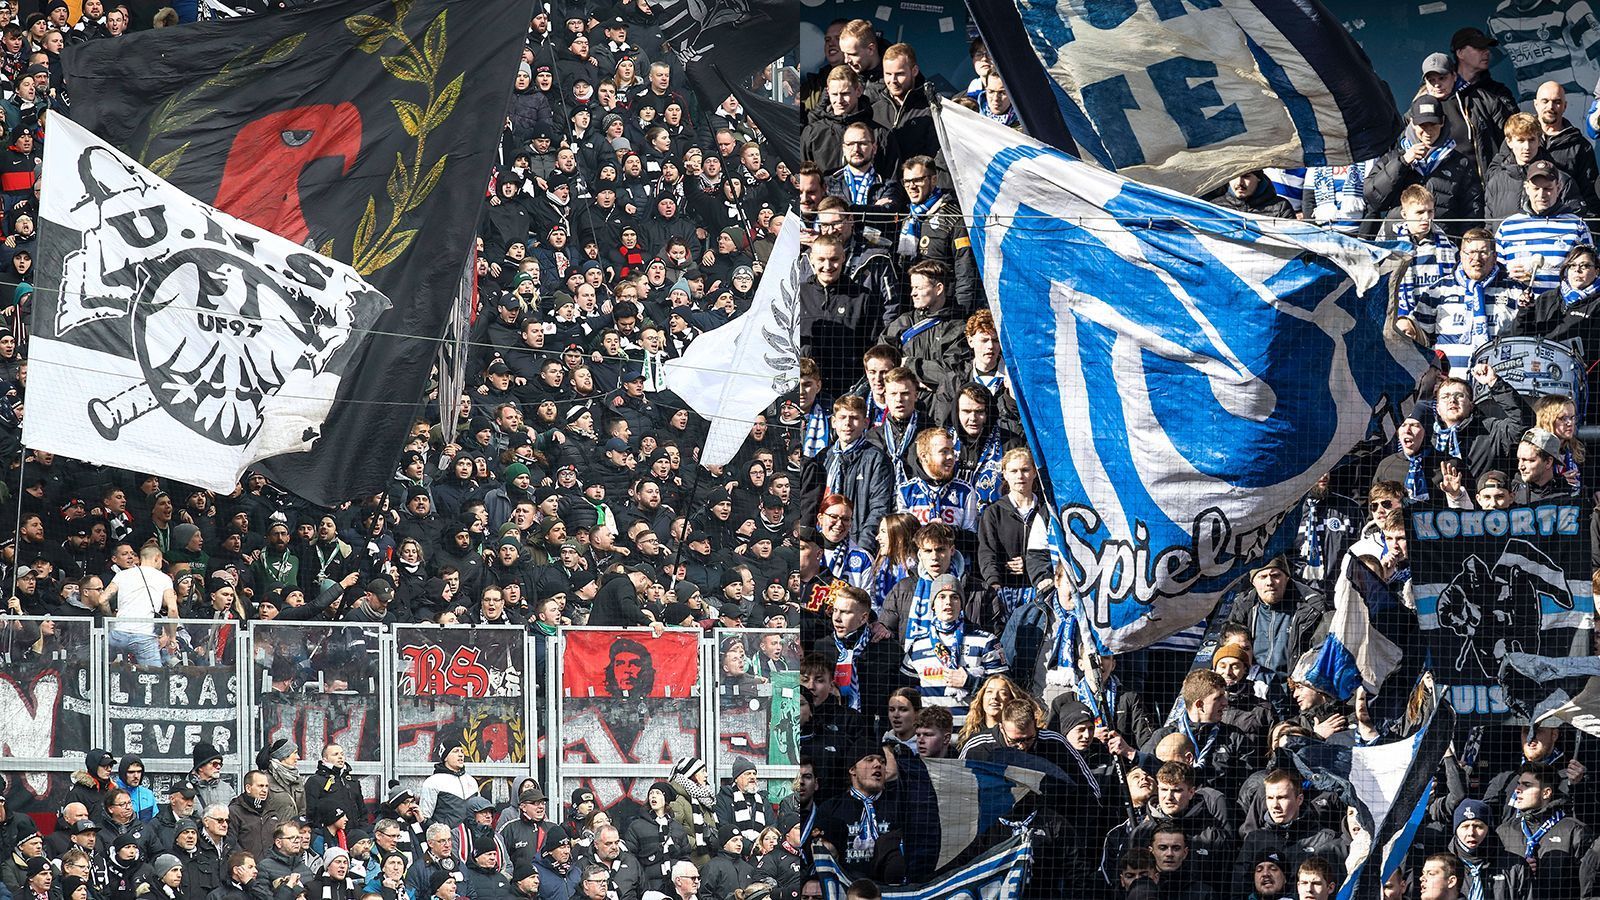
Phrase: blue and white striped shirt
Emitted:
{"points": [[1523, 237]]}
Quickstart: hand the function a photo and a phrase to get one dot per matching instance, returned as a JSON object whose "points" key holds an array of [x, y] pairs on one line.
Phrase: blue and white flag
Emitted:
{"points": [[1188, 95], [999, 874], [1186, 373], [971, 796], [1388, 785], [1358, 652]]}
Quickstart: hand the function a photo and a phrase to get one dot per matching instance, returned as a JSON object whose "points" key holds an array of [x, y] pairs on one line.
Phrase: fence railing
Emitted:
{"points": [[609, 709]]}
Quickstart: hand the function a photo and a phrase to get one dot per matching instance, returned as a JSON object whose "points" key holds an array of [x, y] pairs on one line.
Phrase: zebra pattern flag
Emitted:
{"points": [[1388, 785], [1000, 874], [1247, 355]]}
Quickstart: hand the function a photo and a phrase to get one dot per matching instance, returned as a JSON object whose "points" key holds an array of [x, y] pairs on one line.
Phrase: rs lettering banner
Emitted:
{"points": [[1490, 583], [1187, 95]]}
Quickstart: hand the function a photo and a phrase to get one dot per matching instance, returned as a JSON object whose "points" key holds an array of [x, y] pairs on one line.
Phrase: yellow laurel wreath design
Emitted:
{"points": [[176, 112], [409, 185], [474, 726]]}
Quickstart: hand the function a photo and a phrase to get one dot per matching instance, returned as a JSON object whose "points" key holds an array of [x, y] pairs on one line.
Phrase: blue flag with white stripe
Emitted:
{"points": [[1189, 94], [1185, 373], [969, 797]]}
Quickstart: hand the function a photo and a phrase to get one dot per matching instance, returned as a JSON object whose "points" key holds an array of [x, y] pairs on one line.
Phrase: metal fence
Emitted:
{"points": [[608, 709]]}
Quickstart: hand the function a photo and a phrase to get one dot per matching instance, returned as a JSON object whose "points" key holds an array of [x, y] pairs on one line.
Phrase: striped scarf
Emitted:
{"points": [[748, 814], [1571, 296], [860, 184], [818, 432], [911, 229], [1427, 164], [701, 799]]}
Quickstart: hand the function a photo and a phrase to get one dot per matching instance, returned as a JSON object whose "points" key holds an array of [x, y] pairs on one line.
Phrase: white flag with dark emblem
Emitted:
{"points": [[730, 374], [170, 337]]}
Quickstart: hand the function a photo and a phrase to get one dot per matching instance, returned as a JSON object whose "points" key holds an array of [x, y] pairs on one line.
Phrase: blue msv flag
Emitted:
{"points": [[1185, 373], [1189, 94]]}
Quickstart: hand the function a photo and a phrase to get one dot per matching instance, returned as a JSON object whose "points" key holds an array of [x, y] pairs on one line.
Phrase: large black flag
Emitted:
{"points": [[780, 123], [1492, 583], [727, 39], [364, 129]]}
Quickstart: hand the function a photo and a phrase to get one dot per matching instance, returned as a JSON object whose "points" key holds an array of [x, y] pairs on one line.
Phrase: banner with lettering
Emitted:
{"points": [[1490, 583]]}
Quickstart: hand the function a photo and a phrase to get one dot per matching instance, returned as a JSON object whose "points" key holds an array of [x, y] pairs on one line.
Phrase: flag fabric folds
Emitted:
{"points": [[999, 874], [1357, 652], [365, 129], [1542, 688], [1389, 785], [172, 338], [1189, 95], [722, 42], [1191, 371], [733, 372]]}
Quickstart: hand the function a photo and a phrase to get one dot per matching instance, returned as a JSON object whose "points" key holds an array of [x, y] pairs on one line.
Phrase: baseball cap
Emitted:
{"points": [[381, 588], [1437, 63], [1543, 441], [1494, 478], [1540, 168], [617, 445], [1426, 111], [1472, 37]]}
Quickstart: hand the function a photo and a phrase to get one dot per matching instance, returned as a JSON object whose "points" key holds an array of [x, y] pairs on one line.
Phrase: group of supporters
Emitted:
{"points": [[925, 563], [628, 216], [296, 831]]}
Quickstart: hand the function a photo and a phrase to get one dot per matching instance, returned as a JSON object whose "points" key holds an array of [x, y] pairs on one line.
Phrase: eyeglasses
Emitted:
{"points": [[1383, 504]]}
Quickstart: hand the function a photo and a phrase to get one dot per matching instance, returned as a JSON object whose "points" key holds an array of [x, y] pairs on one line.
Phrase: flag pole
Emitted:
{"points": [[694, 487]]}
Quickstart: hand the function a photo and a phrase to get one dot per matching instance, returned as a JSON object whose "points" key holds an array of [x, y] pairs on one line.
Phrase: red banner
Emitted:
{"points": [[627, 664]]}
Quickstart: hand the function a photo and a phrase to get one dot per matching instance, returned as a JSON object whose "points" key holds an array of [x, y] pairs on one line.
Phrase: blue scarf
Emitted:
{"points": [[1535, 835], [1571, 296], [948, 641], [1201, 751], [869, 815], [1311, 536], [911, 230], [1472, 296], [1427, 164], [837, 456], [860, 185], [897, 447], [850, 692], [1104, 716], [985, 474], [1445, 439], [1417, 477]]}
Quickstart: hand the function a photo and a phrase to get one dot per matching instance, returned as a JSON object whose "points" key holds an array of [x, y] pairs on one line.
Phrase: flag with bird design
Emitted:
{"points": [[365, 130]]}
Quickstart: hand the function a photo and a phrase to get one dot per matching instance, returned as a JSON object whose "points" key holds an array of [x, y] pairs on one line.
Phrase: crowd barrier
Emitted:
{"points": [[625, 704]]}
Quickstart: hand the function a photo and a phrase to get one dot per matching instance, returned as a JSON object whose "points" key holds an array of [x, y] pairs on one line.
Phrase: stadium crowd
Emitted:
{"points": [[925, 570], [626, 219], [889, 510]]}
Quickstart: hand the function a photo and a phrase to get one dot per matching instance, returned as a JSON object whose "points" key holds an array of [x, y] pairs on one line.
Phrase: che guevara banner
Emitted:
{"points": [[362, 130], [629, 664]]}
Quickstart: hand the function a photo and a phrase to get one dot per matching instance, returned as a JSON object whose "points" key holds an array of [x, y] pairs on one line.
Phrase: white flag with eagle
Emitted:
{"points": [[172, 338]]}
